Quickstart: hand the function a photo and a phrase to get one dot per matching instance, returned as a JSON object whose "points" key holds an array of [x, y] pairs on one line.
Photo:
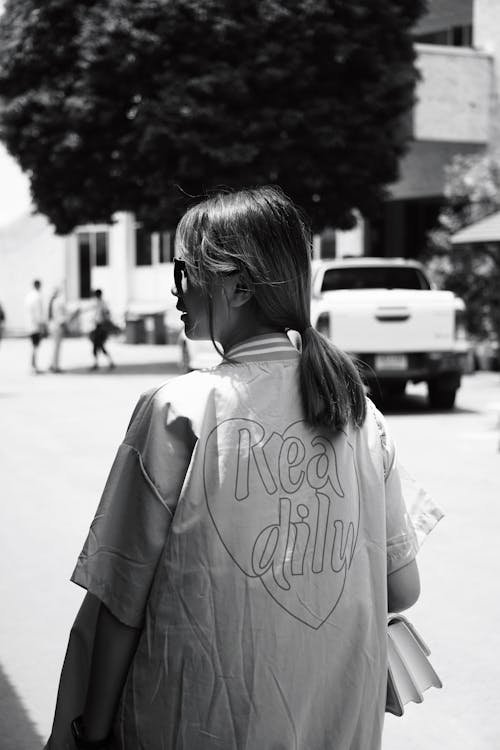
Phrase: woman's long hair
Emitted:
{"points": [[260, 234]]}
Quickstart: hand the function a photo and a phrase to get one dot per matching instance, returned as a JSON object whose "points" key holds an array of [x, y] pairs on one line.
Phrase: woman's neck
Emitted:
{"points": [[243, 332]]}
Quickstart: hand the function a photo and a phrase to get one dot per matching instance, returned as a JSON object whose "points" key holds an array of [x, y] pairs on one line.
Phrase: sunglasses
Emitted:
{"points": [[180, 275]]}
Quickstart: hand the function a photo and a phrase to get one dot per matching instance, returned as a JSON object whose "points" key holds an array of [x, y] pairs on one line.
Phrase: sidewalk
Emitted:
{"points": [[76, 357]]}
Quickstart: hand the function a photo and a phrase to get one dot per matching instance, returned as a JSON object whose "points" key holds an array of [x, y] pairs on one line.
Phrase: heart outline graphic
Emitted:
{"points": [[303, 555]]}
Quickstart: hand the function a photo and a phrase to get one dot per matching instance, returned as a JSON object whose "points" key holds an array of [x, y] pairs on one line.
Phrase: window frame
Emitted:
{"points": [[139, 231], [166, 247], [91, 235]]}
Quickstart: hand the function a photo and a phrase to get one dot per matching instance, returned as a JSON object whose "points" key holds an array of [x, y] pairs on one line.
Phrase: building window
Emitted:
{"points": [[84, 263], [455, 36], [166, 247], [93, 250], [143, 247], [462, 36], [101, 248], [95, 244]]}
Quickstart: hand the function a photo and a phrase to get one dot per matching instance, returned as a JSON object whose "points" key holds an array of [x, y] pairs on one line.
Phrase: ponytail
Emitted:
{"points": [[331, 387]]}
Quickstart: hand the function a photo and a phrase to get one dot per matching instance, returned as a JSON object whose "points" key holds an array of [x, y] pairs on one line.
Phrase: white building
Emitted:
{"points": [[29, 249], [133, 268]]}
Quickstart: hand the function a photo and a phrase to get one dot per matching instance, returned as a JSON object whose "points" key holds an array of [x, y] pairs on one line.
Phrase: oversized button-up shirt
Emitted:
{"points": [[253, 551]]}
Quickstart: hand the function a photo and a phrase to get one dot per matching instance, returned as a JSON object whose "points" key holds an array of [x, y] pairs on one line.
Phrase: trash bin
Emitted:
{"points": [[135, 331], [155, 330]]}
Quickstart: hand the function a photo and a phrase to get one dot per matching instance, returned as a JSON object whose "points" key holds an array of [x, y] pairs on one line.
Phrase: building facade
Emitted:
{"points": [[134, 269], [457, 112]]}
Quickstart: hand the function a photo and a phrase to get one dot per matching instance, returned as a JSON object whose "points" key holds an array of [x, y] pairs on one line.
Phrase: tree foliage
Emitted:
{"points": [[139, 104], [472, 192]]}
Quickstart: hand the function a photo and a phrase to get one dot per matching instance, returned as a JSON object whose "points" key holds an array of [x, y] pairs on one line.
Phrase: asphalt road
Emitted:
{"points": [[59, 436]]}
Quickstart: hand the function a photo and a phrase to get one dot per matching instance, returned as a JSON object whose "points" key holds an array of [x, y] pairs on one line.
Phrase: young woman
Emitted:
{"points": [[252, 534]]}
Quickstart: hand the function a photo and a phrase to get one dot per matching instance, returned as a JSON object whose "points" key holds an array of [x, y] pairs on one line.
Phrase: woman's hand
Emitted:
{"points": [[114, 647]]}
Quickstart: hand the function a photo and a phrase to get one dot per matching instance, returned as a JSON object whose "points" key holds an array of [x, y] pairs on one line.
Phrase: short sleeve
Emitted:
{"points": [[410, 513], [128, 533]]}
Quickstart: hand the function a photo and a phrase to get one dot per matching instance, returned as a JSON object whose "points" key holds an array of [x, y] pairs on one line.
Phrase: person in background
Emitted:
{"points": [[2, 321], [37, 321], [253, 532], [58, 325], [99, 334]]}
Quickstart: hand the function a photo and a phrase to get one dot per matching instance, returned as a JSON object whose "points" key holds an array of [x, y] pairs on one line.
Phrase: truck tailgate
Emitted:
{"points": [[389, 320]]}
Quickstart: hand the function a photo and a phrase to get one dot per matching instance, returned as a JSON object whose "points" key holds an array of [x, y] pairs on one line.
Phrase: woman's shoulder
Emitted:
{"points": [[184, 386], [183, 395]]}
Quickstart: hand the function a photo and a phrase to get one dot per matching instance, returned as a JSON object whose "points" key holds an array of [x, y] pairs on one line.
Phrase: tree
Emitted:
{"points": [[140, 104], [472, 192]]}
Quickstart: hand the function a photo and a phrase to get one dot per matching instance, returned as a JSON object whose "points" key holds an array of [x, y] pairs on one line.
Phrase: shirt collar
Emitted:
{"points": [[267, 347]]}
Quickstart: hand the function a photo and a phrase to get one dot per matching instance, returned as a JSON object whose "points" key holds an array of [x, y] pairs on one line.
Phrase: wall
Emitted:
{"points": [[486, 37], [352, 241], [29, 249], [454, 94], [422, 169], [121, 251], [151, 287]]}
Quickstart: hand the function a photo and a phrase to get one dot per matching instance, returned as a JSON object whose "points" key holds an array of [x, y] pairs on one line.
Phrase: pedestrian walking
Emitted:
{"points": [[100, 332], [36, 320], [253, 533], [58, 325], [2, 321]]}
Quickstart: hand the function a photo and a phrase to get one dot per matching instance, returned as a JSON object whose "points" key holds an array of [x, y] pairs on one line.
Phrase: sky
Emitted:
{"points": [[14, 186], [14, 189]]}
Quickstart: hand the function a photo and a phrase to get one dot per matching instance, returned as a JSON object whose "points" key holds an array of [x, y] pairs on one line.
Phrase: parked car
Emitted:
{"points": [[386, 313]]}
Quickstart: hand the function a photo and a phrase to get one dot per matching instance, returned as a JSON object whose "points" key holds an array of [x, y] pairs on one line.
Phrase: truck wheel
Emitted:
{"points": [[383, 393], [442, 393], [394, 388]]}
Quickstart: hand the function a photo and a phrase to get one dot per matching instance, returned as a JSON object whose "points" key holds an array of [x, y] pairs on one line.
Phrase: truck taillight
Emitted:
{"points": [[323, 325], [460, 327]]}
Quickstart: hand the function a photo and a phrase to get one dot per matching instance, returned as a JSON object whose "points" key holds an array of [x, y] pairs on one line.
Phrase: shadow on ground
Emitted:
{"points": [[17, 730], [136, 368], [416, 405]]}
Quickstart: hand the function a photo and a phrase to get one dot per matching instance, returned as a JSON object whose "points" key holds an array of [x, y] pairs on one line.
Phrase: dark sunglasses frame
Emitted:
{"points": [[179, 273]]}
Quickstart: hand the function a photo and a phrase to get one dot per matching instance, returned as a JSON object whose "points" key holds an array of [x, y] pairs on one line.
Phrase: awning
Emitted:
{"points": [[485, 230]]}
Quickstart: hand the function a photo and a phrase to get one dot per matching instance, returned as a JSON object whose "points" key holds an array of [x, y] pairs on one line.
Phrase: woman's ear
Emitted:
{"points": [[237, 293], [241, 296]]}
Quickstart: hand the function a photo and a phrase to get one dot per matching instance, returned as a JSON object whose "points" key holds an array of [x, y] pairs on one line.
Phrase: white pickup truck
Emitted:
{"points": [[386, 314]]}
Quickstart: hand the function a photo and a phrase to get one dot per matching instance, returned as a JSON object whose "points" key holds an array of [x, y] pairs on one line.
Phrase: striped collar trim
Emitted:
{"points": [[268, 347]]}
